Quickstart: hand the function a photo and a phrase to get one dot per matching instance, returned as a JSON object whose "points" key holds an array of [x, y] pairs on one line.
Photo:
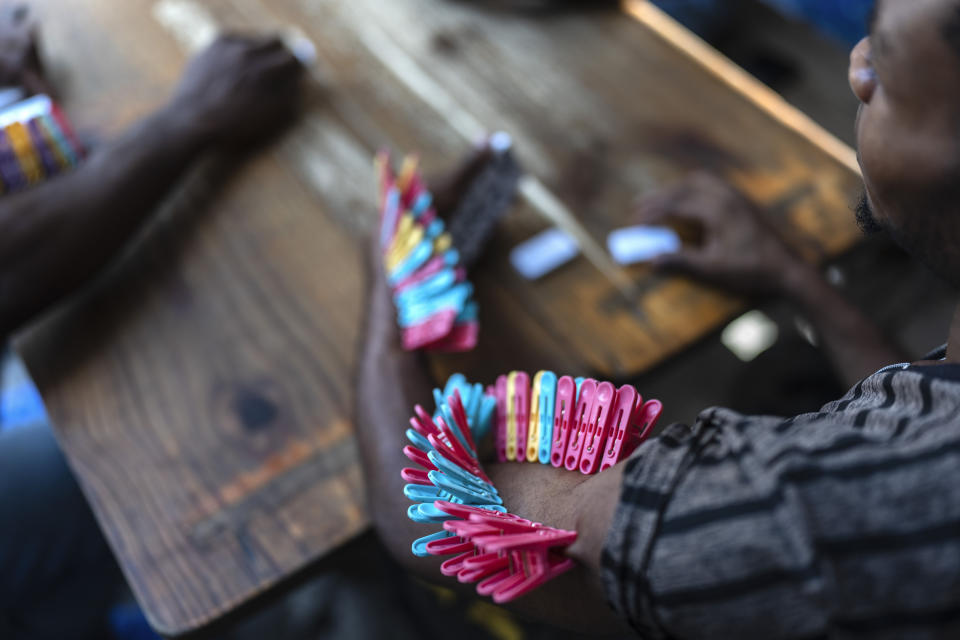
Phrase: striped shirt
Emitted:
{"points": [[843, 523]]}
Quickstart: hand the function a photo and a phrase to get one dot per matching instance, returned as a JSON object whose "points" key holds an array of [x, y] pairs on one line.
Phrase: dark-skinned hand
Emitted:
{"points": [[240, 90], [740, 250]]}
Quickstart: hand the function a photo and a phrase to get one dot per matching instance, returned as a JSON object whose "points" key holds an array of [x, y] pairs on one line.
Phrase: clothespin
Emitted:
{"points": [[521, 407], [436, 327], [500, 435], [459, 417], [460, 474], [468, 494], [621, 420], [390, 217], [415, 251], [586, 406], [421, 204], [419, 546], [416, 456], [427, 288], [453, 298], [594, 432], [646, 419], [407, 171], [563, 418], [458, 425], [548, 399], [488, 407], [532, 444], [416, 476], [418, 440]]}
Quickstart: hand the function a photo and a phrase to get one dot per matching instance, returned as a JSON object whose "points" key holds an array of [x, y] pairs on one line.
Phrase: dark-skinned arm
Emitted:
{"points": [[57, 236], [541, 493]]}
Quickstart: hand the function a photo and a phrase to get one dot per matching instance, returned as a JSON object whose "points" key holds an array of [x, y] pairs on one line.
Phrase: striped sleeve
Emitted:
{"points": [[844, 522]]}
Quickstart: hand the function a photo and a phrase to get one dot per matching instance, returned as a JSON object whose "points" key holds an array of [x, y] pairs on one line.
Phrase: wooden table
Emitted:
{"points": [[203, 390]]}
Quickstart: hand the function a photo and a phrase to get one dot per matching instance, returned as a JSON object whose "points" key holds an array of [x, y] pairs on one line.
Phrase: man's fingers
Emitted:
{"points": [[687, 261], [282, 64], [35, 83]]}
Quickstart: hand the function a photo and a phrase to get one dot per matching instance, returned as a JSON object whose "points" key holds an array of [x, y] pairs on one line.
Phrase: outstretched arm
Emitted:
{"points": [[543, 494], [55, 237]]}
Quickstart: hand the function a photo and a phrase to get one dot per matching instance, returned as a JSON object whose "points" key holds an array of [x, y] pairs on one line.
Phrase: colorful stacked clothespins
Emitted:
{"points": [[434, 300], [578, 424], [36, 143], [506, 555]]}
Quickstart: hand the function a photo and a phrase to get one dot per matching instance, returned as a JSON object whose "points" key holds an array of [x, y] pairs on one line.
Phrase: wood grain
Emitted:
{"points": [[202, 390]]}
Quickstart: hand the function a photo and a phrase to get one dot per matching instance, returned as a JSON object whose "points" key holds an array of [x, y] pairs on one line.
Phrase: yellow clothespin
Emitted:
{"points": [[409, 235], [533, 431], [442, 243], [511, 416], [407, 170]]}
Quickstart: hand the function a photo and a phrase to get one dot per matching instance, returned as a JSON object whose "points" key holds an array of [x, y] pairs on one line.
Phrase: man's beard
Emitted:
{"points": [[865, 218]]}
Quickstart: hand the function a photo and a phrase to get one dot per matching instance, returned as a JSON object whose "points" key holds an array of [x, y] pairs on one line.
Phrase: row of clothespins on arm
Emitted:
{"points": [[505, 554]]}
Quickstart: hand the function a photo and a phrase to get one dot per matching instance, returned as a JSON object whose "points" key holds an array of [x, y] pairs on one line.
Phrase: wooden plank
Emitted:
{"points": [[203, 390]]}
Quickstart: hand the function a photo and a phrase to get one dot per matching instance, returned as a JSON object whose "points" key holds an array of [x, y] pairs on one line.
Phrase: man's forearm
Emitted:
{"points": [[55, 237], [396, 380], [852, 342]]}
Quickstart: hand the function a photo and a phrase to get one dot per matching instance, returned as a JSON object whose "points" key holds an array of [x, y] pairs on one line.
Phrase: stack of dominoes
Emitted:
{"points": [[435, 306]]}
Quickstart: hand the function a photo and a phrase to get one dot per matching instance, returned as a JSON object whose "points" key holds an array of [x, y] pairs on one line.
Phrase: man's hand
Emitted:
{"points": [[740, 252], [20, 63], [239, 91]]}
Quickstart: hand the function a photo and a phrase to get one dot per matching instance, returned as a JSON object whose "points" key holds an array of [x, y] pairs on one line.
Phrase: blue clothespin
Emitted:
{"points": [[488, 407], [391, 211], [419, 546], [428, 513], [417, 257], [579, 382], [469, 313], [469, 495], [548, 401], [473, 406], [454, 298], [432, 286], [425, 494], [468, 479], [443, 410], [422, 203], [419, 441]]}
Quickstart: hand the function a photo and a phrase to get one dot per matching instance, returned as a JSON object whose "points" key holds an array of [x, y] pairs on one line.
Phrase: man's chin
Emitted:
{"points": [[866, 219]]}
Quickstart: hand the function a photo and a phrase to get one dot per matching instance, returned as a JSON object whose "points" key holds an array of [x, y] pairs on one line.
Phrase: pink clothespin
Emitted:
{"points": [[422, 422], [500, 434], [522, 411], [598, 428], [432, 330], [453, 451], [463, 337], [586, 407], [455, 402], [623, 411], [464, 511], [418, 457], [563, 418], [416, 476], [646, 420], [433, 266], [481, 566]]}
